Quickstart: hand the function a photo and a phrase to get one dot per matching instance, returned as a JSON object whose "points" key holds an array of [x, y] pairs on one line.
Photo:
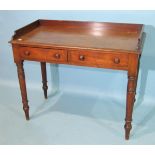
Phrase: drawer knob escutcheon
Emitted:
{"points": [[27, 53], [82, 57], [116, 60], [57, 55]]}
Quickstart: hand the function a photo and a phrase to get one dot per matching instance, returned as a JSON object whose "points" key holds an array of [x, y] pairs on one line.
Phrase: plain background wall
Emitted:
{"points": [[84, 79]]}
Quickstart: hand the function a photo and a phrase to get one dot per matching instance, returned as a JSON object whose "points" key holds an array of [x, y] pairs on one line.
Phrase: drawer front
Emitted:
{"points": [[40, 54], [99, 59]]}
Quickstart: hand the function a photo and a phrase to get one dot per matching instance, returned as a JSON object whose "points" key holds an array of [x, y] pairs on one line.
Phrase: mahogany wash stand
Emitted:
{"points": [[94, 44]]}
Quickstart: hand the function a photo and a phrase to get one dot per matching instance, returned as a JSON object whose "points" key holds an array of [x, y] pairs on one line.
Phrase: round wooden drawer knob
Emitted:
{"points": [[116, 60], [27, 53], [57, 55], [82, 57]]}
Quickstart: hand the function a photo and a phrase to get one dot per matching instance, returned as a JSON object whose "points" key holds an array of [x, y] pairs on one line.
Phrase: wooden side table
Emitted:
{"points": [[94, 44]]}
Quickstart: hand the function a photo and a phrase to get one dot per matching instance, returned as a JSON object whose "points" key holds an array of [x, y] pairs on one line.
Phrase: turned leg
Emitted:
{"points": [[131, 92], [44, 78], [21, 77]]}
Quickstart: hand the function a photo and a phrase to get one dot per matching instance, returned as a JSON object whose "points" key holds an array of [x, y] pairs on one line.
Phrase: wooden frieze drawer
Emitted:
{"points": [[98, 59], [43, 54]]}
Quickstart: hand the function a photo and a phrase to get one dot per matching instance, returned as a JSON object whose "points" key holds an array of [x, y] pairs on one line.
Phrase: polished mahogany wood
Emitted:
{"points": [[94, 44], [48, 55], [73, 34], [107, 59]]}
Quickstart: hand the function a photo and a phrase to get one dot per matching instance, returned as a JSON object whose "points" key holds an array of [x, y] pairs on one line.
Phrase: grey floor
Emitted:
{"points": [[71, 118]]}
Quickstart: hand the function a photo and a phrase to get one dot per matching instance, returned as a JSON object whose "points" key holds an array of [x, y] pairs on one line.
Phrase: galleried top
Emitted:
{"points": [[80, 34]]}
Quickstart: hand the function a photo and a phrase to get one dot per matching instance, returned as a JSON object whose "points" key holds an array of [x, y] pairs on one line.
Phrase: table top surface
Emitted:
{"points": [[75, 34]]}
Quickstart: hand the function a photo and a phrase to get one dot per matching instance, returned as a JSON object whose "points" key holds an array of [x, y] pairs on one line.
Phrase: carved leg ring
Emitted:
{"points": [[44, 78], [21, 77], [131, 91]]}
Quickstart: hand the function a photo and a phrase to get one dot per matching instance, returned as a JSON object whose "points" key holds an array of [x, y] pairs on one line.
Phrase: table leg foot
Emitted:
{"points": [[128, 128], [26, 110]]}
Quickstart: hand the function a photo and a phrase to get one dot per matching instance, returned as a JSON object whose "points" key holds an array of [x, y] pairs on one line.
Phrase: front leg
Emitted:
{"points": [[21, 77], [131, 92]]}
